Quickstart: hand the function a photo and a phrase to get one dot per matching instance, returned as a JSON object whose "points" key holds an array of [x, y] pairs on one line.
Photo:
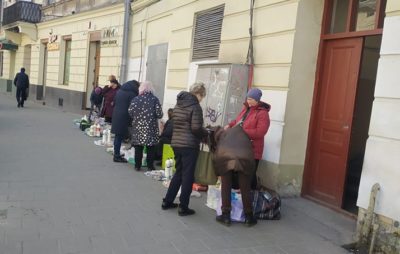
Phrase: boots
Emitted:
{"points": [[224, 218], [250, 220], [168, 205]]}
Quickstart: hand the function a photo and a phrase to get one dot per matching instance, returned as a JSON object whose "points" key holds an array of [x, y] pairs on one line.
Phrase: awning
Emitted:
{"points": [[8, 45]]}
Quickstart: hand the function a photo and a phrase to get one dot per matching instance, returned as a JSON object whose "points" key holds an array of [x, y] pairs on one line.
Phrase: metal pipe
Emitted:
{"points": [[125, 42]]}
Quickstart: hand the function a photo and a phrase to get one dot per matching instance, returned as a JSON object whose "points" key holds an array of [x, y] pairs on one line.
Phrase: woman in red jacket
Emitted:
{"points": [[254, 119]]}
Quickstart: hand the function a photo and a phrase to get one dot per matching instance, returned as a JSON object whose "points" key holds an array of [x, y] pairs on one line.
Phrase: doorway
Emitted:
{"points": [[93, 70], [41, 88], [343, 97], [361, 118]]}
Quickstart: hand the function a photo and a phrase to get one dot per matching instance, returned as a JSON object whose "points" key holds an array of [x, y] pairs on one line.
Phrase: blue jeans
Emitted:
{"points": [[117, 145], [185, 159]]}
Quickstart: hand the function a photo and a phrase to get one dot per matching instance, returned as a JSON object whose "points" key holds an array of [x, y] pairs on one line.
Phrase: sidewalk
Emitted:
{"points": [[61, 194]]}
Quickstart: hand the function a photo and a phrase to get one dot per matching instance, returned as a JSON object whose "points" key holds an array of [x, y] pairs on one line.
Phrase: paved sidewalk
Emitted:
{"points": [[61, 194]]}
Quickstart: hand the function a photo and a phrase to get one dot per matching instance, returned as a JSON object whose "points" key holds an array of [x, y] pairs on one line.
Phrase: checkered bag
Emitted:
{"points": [[266, 205]]}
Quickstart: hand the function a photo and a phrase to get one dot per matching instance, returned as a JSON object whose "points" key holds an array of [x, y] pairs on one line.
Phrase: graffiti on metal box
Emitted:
{"points": [[213, 114]]}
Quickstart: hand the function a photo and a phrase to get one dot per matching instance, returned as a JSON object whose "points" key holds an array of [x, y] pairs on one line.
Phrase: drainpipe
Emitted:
{"points": [[125, 43]]}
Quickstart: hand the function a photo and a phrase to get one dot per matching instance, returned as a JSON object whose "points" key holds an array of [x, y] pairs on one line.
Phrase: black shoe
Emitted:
{"points": [[120, 159], [185, 211], [224, 219], [168, 205], [22, 105], [137, 169], [250, 220], [158, 163], [19, 105], [150, 169]]}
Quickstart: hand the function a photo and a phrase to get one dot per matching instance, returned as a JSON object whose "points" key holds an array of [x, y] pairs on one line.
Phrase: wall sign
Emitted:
{"points": [[109, 36]]}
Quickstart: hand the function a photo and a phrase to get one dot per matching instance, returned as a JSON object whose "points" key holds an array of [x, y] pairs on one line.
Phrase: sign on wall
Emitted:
{"points": [[109, 36], [53, 44]]}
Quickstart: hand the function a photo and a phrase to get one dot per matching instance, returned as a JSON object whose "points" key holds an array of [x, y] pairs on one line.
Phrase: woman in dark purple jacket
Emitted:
{"points": [[109, 93]]}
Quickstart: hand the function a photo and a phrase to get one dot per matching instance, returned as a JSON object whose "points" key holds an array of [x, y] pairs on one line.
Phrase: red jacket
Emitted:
{"points": [[255, 125]]}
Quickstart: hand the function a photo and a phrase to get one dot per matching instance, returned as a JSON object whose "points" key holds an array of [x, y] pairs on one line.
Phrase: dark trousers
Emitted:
{"points": [[254, 177], [117, 144], [139, 156], [185, 159], [244, 185], [21, 95]]}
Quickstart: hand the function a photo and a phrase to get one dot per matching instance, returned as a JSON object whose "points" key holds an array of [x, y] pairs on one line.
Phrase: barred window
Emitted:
{"points": [[207, 33]]}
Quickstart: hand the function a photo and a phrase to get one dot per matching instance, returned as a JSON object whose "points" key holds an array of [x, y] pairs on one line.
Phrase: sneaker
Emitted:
{"points": [[250, 220], [224, 219], [185, 211], [120, 159], [168, 205]]}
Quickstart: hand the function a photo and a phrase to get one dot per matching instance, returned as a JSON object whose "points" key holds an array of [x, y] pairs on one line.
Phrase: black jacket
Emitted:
{"points": [[188, 122], [21, 80], [166, 134], [96, 99], [122, 100]]}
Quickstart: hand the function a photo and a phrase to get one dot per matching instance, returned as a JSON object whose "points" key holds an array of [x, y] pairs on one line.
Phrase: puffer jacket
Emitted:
{"points": [[255, 125], [187, 119], [233, 151]]}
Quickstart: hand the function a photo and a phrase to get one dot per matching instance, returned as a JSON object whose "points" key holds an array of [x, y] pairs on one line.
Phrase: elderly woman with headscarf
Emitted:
{"points": [[254, 119], [145, 110]]}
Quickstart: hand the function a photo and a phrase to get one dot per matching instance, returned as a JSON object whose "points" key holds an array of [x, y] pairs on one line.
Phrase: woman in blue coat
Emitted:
{"points": [[121, 118], [145, 110]]}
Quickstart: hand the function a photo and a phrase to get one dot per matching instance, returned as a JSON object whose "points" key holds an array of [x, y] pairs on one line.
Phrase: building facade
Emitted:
{"points": [[327, 67]]}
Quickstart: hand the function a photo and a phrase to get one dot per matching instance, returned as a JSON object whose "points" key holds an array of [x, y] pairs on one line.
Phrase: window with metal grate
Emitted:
{"points": [[207, 33]]}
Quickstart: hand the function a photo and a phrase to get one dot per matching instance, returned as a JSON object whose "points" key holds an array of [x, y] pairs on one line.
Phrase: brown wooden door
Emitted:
{"points": [[333, 113]]}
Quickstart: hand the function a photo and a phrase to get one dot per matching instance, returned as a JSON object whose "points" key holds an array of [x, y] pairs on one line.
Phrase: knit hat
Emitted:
{"points": [[97, 90], [255, 94]]}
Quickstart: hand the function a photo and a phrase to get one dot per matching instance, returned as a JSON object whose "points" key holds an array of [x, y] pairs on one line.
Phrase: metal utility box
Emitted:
{"points": [[226, 91]]}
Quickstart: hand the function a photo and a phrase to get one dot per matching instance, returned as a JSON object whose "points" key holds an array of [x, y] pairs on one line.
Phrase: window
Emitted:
{"points": [[67, 61], [207, 33], [355, 15]]}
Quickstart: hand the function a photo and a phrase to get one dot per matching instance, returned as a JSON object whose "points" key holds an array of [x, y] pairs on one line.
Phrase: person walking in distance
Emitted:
{"points": [[187, 133], [21, 81]]}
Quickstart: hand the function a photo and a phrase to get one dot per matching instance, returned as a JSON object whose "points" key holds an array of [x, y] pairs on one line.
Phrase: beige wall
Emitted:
{"points": [[274, 32], [77, 27], [381, 163]]}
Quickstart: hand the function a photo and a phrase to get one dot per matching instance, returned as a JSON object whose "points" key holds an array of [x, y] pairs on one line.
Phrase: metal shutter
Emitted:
{"points": [[207, 33]]}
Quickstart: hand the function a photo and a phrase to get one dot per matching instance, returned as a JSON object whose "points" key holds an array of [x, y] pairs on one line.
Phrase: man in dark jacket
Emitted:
{"points": [[121, 118], [188, 131], [21, 81]]}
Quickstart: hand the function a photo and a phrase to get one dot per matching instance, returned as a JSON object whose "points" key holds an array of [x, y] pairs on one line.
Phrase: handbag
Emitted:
{"points": [[204, 172]]}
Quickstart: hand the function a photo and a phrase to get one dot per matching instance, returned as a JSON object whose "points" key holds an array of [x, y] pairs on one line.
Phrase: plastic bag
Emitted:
{"points": [[237, 213]]}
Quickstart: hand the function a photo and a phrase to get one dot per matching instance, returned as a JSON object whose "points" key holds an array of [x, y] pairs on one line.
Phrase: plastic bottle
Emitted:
{"points": [[144, 158], [98, 133], [104, 139], [168, 168], [108, 137]]}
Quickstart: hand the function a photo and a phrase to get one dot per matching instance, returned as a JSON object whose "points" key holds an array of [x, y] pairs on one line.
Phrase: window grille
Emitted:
{"points": [[207, 33]]}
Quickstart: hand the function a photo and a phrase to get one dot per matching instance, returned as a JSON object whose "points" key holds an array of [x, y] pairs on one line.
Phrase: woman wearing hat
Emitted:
{"points": [[254, 119]]}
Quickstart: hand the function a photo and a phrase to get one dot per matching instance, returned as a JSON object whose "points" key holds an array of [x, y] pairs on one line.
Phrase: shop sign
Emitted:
{"points": [[53, 46], [109, 36]]}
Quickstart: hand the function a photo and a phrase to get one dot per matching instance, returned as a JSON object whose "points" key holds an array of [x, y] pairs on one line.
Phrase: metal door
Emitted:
{"points": [[156, 67], [330, 135]]}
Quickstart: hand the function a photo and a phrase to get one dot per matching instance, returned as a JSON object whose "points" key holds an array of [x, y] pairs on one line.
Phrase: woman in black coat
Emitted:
{"points": [[145, 111], [121, 118], [187, 132]]}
